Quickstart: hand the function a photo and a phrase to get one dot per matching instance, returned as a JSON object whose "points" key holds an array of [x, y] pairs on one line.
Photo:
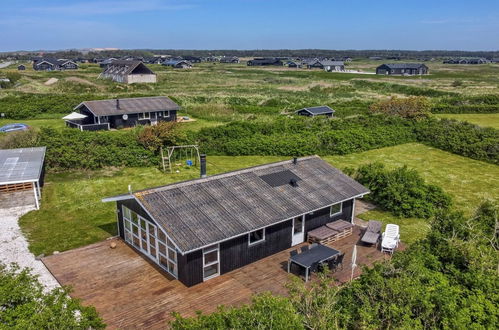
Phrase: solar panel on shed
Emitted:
{"points": [[280, 178], [21, 165]]}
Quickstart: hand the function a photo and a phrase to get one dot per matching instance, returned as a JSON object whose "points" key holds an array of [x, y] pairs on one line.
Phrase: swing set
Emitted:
{"points": [[180, 155]]}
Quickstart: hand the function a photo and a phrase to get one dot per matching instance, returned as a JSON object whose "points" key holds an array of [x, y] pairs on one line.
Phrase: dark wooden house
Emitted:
{"points": [[21, 67], [229, 59], [120, 113], [128, 72], [192, 59], [199, 229], [402, 69], [322, 110], [178, 64], [52, 64], [264, 62]]}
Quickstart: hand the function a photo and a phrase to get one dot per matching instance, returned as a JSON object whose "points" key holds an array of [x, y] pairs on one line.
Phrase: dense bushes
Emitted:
{"points": [[399, 88], [25, 305], [401, 191], [446, 281], [461, 138], [467, 104], [414, 107], [73, 149], [299, 136]]}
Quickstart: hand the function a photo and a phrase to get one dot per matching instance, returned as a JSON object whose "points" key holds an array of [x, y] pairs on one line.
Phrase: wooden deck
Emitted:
{"points": [[130, 292]]}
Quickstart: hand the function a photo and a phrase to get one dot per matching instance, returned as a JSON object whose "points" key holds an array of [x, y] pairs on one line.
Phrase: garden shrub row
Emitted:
{"points": [[460, 138], [296, 136], [73, 149], [485, 108], [401, 191]]}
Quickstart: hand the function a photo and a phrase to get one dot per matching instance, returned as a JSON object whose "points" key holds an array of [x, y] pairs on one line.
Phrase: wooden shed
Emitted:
{"points": [[199, 229], [322, 110], [21, 170]]}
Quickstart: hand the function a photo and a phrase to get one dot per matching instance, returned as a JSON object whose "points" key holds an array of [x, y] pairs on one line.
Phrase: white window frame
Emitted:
{"points": [[337, 213], [260, 240], [165, 114], [127, 217], [144, 115], [217, 262]]}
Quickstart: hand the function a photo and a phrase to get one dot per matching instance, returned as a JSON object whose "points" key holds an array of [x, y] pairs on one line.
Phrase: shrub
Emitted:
{"points": [[414, 107], [73, 149], [25, 305], [20, 139], [164, 133], [402, 191], [461, 138]]}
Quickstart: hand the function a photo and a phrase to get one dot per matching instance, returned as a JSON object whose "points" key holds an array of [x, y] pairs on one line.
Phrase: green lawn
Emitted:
{"points": [[485, 120], [72, 214], [468, 181], [36, 123]]}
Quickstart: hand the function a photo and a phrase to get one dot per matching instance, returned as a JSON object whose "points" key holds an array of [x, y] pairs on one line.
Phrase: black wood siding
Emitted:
{"points": [[236, 253]]}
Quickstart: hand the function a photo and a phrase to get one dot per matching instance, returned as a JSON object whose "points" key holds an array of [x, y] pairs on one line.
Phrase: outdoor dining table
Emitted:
{"points": [[317, 254]]}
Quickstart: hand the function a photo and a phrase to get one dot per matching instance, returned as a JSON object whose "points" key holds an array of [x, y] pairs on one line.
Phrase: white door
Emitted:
{"points": [[298, 230]]}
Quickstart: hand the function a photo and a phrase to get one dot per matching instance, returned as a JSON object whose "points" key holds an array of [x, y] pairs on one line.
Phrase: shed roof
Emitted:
{"points": [[21, 165], [205, 211], [129, 105], [125, 67], [319, 110]]}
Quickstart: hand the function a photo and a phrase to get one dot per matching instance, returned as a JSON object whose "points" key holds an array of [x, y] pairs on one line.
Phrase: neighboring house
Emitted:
{"points": [[494, 60], [402, 69], [105, 63], [155, 60], [331, 66], [120, 113], [264, 62], [322, 110], [199, 229], [293, 64], [466, 61], [192, 59], [21, 67], [128, 72], [229, 59], [52, 64], [179, 64]]}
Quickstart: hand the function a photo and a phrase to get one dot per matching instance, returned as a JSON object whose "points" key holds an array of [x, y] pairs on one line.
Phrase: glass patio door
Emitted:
{"points": [[298, 230], [211, 262]]}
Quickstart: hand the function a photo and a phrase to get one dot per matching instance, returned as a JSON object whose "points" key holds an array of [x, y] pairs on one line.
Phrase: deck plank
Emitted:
{"points": [[129, 291]]}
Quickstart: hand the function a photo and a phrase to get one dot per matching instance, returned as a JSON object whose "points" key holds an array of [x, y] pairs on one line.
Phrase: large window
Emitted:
{"points": [[211, 264], [151, 240], [336, 209], [256, 236], [164, 114], [145, 115]]}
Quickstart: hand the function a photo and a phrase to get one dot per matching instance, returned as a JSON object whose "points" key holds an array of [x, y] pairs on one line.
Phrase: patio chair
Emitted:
{"points": [[339, 260], [372, 233], [293, 253], [390, 238], [304, 248]]}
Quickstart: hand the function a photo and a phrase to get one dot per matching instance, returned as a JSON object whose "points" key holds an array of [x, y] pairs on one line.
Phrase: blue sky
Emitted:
{"points": [[249, 24]]}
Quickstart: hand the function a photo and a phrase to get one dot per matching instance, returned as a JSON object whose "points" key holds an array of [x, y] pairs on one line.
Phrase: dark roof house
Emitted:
{"points": [[128, 72], [264, 62], [229, 59], [52, 64], [179, 64], [206, 227], [322, 110], [119, 113], [402, 69], [21, 67]]}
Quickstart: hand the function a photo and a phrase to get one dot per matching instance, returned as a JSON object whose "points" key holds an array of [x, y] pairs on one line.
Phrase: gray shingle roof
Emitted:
{"points": [[21, 165], [125, 67], [404, 65], [332, 63], [319, 110], [129, 105], [205, 211]]}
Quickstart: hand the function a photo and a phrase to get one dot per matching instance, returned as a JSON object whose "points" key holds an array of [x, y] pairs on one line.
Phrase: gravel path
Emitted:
{"points": [[14, 247]]}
